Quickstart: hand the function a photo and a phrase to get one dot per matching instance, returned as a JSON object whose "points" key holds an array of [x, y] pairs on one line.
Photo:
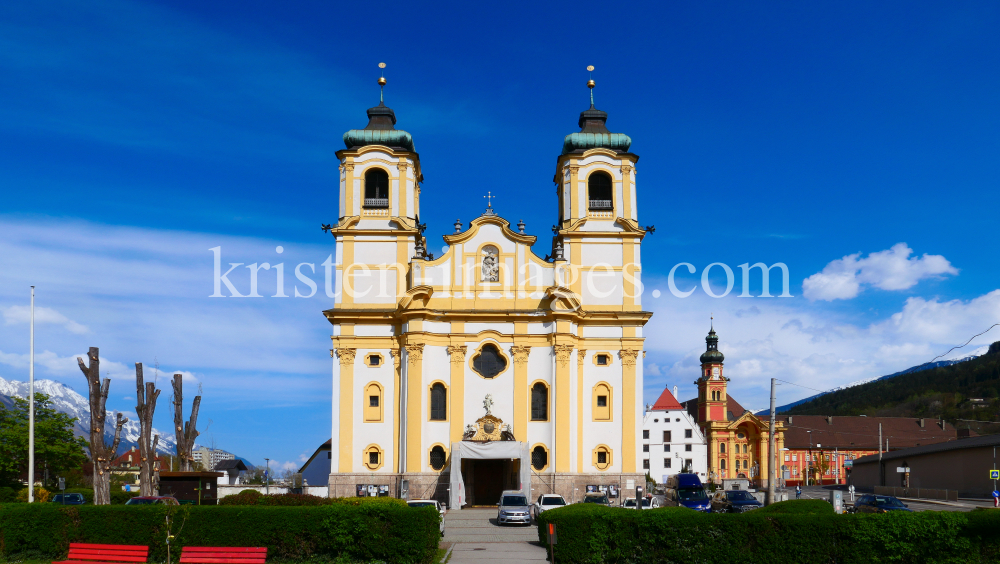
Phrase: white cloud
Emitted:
{"points": [[892, 269], [22, 314]]}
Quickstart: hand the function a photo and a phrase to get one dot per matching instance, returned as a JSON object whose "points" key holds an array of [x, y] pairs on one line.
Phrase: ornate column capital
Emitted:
{"points": [[563, 353], [520, 354], [415, 352], [628, 356], [574, 169], [581, 355], [457, 353], [402, 165], [349, 167], [346, 356], [395, 357], [626, 169]]}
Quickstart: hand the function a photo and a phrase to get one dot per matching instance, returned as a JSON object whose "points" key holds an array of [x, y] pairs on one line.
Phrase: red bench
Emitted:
{"points": [[81, 553], [223, 555]]}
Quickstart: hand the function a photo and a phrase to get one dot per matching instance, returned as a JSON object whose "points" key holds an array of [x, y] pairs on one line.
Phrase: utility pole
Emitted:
{"points": [[31, 406], [772, 459], [267, 476], [881, 471]]}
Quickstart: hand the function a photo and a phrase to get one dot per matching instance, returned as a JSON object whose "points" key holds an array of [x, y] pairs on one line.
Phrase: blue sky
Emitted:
{"points": [[134, 136]]}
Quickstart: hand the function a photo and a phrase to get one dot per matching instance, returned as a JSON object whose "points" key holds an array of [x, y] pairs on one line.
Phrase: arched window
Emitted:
{"points": [[491, 264], [539, 458], [372, 457], [539, 402], [602, 457], [602, 402], [722, 447], [438, 458], [722, 464], [376, 188], [439, 402], [599, 191], [745, 449], [373, 403], [489, 362]]}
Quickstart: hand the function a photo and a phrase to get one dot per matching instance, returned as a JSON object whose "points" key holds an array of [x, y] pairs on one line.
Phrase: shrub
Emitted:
{"points": [[41, 495], [793, 533], [9, 494], [391, 532]]}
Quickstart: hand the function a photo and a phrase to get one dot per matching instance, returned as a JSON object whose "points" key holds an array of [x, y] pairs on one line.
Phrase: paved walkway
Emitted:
{"points": [[477, 538]]}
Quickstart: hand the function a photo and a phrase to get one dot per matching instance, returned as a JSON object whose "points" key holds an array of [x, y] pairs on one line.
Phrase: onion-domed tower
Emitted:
{"points": [[712, 384]]}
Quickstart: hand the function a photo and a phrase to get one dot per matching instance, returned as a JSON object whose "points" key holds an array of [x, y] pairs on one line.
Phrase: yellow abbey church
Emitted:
{"points": [[495, 365]]}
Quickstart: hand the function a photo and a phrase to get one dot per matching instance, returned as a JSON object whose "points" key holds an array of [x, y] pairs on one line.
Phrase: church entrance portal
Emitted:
{"points": [[485, 479]]}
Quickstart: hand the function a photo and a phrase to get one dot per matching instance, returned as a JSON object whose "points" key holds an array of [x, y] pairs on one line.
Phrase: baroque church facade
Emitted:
{"points": [[488, 367], [737, 439]]}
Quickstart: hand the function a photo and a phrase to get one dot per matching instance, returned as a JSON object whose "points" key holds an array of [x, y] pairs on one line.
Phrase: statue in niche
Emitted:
{"points": [[491, 264]]}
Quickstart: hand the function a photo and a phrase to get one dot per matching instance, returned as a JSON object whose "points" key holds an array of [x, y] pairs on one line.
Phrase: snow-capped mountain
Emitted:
{"points": [[68, 401], [956, 358]]}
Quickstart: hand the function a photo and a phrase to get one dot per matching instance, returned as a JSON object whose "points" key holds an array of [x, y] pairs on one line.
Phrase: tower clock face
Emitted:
{"points": [[715, 371]]}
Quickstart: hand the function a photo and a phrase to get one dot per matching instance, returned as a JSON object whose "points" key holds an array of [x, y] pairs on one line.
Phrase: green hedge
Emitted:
{"points": [[254, 497], [595, 534], [390, 532]]}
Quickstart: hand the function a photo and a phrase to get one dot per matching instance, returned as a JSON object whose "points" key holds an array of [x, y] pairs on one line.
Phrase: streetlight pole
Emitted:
{"points": [[772, 459], [31, 406], [809, 462], [267, 476]]}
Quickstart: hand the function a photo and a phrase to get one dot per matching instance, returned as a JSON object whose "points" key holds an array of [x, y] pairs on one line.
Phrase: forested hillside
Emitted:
{"points": [[961, 393]]}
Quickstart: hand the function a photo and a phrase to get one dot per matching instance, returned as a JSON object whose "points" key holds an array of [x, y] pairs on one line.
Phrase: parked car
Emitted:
{"points": [[734, 501], [548, 501], [878, 504], [646, 503], [153, 500], [513, 508], [430, 503], [598, 498], [686, 490], [69, 499]]}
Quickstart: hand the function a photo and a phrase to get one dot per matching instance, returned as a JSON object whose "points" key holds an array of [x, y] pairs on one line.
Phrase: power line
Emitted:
{"points": [[966, 343]]}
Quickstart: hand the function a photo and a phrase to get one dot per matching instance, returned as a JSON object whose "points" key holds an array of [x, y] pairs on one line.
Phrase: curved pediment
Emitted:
{"points": [[482, 220]]}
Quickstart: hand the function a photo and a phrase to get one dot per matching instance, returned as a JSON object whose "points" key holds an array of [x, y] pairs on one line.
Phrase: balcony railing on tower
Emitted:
{"points": [[377, 203], [600, 205]]}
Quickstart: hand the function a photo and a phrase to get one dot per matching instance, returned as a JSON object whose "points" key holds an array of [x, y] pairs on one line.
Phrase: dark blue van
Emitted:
{"points": [[686, 490]]}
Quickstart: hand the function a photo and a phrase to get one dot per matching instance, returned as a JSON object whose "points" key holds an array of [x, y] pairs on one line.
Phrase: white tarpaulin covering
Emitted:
{"points": [[497, 449]]}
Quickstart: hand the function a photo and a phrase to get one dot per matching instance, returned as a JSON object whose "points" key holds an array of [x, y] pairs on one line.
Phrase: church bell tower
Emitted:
{"points": [[712, 402]]}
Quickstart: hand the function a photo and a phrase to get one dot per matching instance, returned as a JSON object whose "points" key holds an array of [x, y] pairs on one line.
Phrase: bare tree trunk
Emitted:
{"points": [[186, 432], [101, 453], [146, 395], [155, 480]]}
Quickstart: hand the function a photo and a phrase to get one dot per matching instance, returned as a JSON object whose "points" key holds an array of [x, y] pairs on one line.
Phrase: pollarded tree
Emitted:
{"points": [[186, 432], [146, 395], [101, 453]]}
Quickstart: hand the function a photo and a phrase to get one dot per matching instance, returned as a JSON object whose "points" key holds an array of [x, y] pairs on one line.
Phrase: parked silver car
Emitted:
{"points": [[514, 508]]}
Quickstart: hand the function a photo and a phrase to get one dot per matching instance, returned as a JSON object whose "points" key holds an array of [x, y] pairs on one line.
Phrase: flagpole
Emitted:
{"points": [[31, 406]]}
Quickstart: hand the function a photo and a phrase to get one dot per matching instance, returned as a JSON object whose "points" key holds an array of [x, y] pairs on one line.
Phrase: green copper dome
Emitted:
{"points": [[712, 353], [380, 131], [594, 133]]}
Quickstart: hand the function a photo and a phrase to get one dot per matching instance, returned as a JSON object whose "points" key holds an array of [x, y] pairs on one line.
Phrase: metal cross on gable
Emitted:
{"points": [[489, 199]]}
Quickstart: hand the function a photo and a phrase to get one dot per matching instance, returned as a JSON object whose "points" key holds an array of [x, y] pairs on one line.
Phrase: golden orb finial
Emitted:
{"points": [[591, 83], [381, 81]]}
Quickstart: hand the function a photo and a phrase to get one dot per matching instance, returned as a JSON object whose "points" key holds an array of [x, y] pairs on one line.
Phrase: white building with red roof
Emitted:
{"points": [[672, 441]]}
